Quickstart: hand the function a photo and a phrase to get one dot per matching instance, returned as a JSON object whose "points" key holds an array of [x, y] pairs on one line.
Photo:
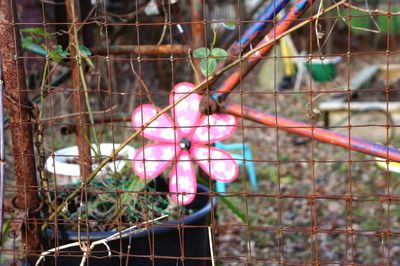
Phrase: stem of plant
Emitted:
{"points": [[196, 89], [192, 65], [42, 85], [214, 37], [40, 135]]}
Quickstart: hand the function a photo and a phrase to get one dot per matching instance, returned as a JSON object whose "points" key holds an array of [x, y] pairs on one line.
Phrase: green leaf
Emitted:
{"points": [[37, 49], [85, 50], [219, 54], [58, 53], [229, 25], [208, 66], [56, 57], [202, 52], [61, 52], [37, 31], [26, 42], [6, 229]]}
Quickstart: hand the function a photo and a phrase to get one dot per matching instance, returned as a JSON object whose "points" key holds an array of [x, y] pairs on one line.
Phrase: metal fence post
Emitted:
{"points": [[20, 112]]}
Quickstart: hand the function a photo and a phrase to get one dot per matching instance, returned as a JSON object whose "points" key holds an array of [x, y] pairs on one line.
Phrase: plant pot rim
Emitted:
{"points": [[58, 164], [187, 220]]}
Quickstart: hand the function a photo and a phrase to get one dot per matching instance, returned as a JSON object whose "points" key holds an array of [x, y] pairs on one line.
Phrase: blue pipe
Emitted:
{"points": [[266, 16]]}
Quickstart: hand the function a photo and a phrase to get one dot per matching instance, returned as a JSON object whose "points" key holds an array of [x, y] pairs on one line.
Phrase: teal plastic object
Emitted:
{"points": [[247, 156]]}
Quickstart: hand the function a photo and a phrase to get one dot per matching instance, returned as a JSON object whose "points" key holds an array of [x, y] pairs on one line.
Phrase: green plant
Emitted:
{"points": [[209, 57], [4, 256], [112, 199], [6, 229], [40, 42]]}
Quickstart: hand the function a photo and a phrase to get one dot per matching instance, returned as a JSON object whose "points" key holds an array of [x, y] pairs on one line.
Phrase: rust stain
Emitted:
{"points": [[19, 110], [163, 49]]}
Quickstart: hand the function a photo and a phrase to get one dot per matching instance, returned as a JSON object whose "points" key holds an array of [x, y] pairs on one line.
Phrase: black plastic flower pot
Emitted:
{"points": [[176, 242]]}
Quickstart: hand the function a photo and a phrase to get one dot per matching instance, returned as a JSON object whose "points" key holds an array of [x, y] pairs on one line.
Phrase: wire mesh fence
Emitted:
{"points": [[200, 132]]}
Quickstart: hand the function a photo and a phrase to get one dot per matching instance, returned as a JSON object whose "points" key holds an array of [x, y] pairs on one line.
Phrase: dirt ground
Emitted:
{"points": [[315, 201]]}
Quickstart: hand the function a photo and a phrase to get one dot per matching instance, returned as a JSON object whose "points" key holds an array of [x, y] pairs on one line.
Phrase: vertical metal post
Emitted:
{"points": [[81, 121], [19, 110]]}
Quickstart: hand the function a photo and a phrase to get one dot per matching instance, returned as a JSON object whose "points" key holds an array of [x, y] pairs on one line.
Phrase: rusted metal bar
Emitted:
{"points": [[115, 118], [198, 38], [280, 27], [81, 121], [313, 132], [19, 111], [164, 49]]}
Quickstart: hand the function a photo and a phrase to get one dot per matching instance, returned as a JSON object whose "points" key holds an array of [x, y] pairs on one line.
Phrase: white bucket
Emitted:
{"points": [[66, 172]]}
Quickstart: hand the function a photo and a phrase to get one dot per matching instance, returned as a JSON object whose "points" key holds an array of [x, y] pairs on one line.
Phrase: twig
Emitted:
{"points": [[78, 114], [141, 81], [378, 11], [197, 77], [166, 18], [197, 89], [124, 233], [378, 30]]}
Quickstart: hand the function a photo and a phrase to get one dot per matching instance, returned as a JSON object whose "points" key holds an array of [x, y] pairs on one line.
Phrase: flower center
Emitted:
{"points": [[185, 144]]}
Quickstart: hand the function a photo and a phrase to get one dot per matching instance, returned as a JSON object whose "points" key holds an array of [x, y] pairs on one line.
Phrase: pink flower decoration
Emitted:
{"points": [[181, 140]]}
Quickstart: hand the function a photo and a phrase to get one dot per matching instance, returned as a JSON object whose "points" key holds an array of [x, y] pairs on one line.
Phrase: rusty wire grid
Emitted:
{"points": [[314, 89]]}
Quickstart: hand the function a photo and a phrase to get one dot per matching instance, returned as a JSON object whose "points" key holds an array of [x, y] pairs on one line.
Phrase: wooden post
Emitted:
{"points": [[81, 121], [19, 110], [197, 31]]}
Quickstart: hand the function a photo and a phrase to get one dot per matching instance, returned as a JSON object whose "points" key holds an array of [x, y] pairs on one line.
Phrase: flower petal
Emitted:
{"points": [[151, 160], [183, 180], [186, 112], [214, 128], [216, 163], [160, 129]]}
